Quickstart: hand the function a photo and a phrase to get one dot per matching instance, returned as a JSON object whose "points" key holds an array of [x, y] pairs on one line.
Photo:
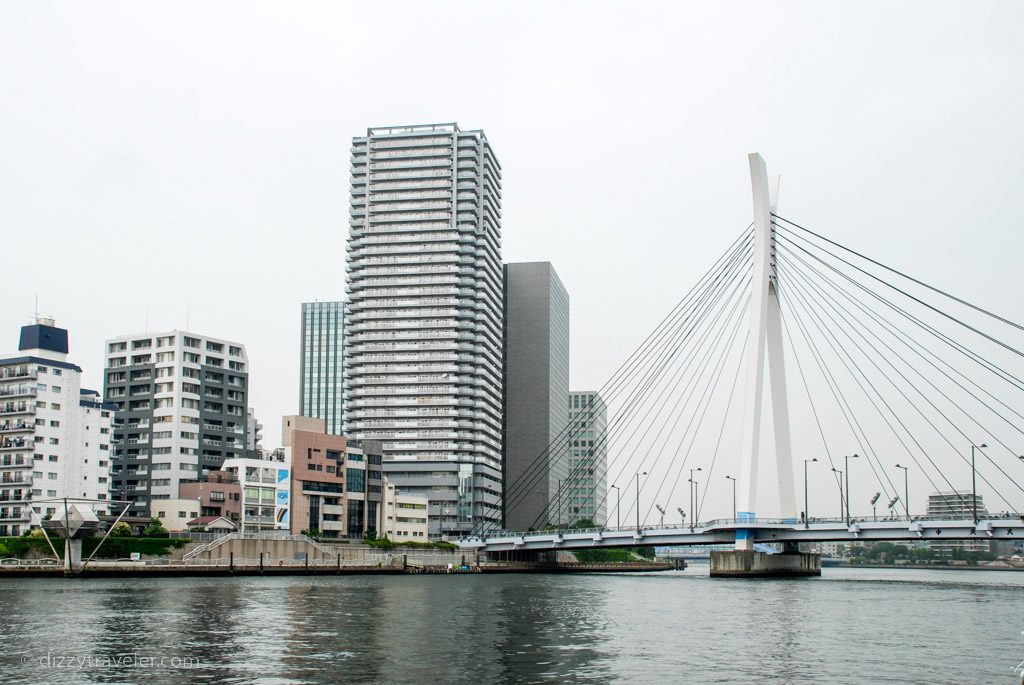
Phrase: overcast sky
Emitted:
{"points": [[172, 157]]}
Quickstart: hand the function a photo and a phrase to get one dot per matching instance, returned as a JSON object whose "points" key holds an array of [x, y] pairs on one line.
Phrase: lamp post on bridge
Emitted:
{"points": [[807, 515], [682, 514], [693, 498], [638, 499], [906, 490], [662, 512], [733, 498], [848, 458], [974, 483], [618, 506], [840, 472], [558, 505]]}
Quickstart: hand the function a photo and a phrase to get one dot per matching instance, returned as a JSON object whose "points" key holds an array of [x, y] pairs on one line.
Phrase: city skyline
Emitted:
{"points": [[690, 208]]}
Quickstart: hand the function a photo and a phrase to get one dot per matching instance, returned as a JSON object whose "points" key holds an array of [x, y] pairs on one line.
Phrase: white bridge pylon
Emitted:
{"points": [[765, 332]]}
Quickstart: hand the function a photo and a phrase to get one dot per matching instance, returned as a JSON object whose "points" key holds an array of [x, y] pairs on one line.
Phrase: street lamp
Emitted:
{"points": [[638, 499], [807, 516], [874, 508], [682, 514], [618, 508], [662, 511], [906, 489], [733, 497], [848, 458], [840, 472], [558, 505], [693, 498], [974, 483]]}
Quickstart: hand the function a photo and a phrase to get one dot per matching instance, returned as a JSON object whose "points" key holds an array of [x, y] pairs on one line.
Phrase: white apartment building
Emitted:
{"points": [[266, 488], [405, 515], [423, 345], [55, 437], [182, 402]]}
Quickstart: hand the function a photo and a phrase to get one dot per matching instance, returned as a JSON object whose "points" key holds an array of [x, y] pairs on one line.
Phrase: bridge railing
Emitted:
{"points": [[724, 522]]}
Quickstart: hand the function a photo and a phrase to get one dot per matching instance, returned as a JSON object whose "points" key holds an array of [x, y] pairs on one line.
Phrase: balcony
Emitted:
{"points": [[20, 391], [23, 372]]}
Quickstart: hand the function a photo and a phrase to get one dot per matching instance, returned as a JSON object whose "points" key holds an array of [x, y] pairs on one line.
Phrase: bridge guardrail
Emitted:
{"points": [[719, 523]]}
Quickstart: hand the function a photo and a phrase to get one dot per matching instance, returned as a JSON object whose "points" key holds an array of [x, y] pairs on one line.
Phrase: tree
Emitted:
{"points": [[584, 523], [121, 530], [154, 528]]}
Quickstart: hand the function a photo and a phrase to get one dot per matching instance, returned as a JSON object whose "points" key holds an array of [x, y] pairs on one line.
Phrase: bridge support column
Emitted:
{"points": [[751, 564]]}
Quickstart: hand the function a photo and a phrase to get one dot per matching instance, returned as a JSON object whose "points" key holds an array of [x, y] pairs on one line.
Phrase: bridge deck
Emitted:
{"points": [[763, 530]]}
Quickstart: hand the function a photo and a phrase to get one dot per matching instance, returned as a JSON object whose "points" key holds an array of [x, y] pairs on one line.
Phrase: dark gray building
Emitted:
{"points": [[182, 404], [536, 371], [321, 392]]}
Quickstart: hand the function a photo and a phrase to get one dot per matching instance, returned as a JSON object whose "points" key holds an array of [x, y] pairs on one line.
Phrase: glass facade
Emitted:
{"points": [[320, 381], [588, 457]]}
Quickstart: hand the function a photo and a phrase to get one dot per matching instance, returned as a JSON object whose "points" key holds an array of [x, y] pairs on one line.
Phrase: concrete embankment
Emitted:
{"points": [[317, 568]]}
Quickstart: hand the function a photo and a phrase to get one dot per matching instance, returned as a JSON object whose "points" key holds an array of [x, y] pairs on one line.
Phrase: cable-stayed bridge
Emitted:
{"points": [[795, 349]]}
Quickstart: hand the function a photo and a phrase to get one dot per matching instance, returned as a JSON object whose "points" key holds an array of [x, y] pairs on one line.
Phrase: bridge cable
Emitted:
{"points": [[860, 328], [722, 271]]}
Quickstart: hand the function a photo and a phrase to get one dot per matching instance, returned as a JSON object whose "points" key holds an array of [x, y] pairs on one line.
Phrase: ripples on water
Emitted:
{"points": [[850, 626]]}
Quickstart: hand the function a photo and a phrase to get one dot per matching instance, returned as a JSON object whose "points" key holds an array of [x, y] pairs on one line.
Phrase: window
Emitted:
{"points": [[55, 406], [57, 372], [54, 441], [55, 388], [54, 424], [41, 369]]}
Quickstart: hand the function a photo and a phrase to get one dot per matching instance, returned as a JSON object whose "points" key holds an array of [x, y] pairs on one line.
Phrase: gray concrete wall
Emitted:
{"points": [[744, 564]]}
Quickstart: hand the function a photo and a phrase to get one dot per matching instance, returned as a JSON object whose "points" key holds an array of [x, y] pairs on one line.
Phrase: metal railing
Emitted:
{"points": [[739, 522]]}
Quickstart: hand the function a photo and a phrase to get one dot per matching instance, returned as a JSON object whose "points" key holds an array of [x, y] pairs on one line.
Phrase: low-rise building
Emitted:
{"points": [[219, 495], [265, 487], [336, 483], [405, 515], [55, 436], [175, 514]]}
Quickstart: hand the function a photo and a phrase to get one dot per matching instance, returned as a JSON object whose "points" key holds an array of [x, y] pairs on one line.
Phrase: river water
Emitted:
{"points": [[849, 626]]}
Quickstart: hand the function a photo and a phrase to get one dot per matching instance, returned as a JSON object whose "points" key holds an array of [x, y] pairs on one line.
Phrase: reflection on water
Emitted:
{"points": [[850, 626]]}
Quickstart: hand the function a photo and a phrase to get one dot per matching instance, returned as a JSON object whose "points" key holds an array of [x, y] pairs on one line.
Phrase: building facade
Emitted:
{"points": [[265, 487], [182, 402], [423, 343], [536, 373], [957, 505], [588, 457], [405, 515], [55, 436], [336, 483], [220, 495], [321, 377]]}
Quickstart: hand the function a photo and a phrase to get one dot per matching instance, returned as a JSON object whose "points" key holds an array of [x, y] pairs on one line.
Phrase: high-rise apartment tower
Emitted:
{"points": [[423, 322]]}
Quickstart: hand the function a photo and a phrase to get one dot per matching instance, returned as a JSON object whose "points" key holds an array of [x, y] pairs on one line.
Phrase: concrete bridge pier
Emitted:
{"points": [[790, 563]]}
